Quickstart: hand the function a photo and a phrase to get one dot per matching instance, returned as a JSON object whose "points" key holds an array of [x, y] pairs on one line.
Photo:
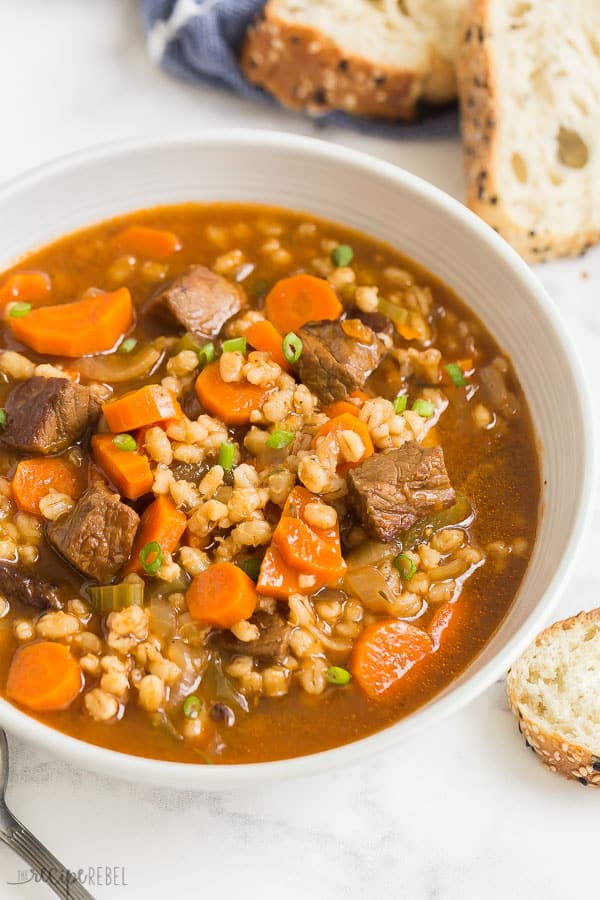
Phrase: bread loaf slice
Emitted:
{"points": [[529, 87], [554, 691], [377, 58]]}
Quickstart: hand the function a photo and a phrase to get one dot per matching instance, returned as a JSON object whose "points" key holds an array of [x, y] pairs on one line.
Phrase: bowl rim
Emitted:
{"points": [[188, 776]]}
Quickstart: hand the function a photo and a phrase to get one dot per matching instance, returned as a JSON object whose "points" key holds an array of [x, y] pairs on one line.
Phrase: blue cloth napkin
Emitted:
{"points": [[197, 40]]}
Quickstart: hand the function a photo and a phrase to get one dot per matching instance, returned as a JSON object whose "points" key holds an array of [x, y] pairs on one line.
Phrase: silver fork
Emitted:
{"points": [[19, 839]]}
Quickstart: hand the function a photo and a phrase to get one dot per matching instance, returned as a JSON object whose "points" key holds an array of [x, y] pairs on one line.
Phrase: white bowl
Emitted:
{"points": [[430, 227]]}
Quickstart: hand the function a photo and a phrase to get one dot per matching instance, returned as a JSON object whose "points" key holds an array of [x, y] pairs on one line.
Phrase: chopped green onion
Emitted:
{"points": [[259, 288], [400, 403], [292, 347], [206, 354], [456, 374], [406, 566], [127, 345], [2, 417], [279, 439], [151, 558], [342, 255], [238, 344], [111, 597], [19, 310], [192, 707], [187, 341], [424, 407], [252, 568], [337, 675], [125, 442], [226, 455]]}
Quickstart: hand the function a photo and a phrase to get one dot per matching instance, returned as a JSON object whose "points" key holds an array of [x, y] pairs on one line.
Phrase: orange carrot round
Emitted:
{"points": [[232, 402], [341, 406], [129, 471], [162, 523], [305, 550], [384, 652], [153, 243], [145, 406], [221, 596], [277, 579], [27, 287], [91, 325], [294, 301], [34, 478], [44, 677], [348, 422], [264, 336]]}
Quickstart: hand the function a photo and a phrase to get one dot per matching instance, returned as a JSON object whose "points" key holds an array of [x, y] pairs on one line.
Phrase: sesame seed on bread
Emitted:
{"points": [[376, 58], [530, 111], [553, 690]]}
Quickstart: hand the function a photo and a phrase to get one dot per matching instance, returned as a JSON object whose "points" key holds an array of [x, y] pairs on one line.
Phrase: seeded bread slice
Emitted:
{"points": [[529, 86], [377, 58], [554, 691]]}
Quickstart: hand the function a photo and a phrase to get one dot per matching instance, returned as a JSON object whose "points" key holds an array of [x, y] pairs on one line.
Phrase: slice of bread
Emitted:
{"points": [[377, 58], [554, 691], [529, 86]]}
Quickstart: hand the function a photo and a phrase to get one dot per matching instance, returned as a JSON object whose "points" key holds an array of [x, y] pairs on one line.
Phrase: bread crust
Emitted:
{"points": [[478, 96], [557, 752], [306, 70]]}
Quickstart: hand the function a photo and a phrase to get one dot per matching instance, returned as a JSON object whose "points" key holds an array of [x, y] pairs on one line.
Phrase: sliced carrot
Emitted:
{"points": [[145, 406], [360, 395], [34, 478], [309, 551], [264, 336], [348, 422], [297, 499], [153, 243], [221, 596], [341, 406], [294, 301], [91, 325], [232, 402], [128, 470], [408, 333], [161, 522], [384, 652], [440, 622], [44, 677], [28, 287], [277, 579]]}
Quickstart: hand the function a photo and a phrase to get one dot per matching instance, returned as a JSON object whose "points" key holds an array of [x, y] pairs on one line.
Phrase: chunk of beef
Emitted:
{"points": [[198, 301], [27, 589], [96, 536], [272, 644], [45, 415], [394, 490], [333, 364]]}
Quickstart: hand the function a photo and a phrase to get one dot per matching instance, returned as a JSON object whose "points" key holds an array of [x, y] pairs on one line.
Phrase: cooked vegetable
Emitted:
{"points": [[91, 325], [2, 417], [441, 621], [400, 317], [369, 585], [161, 523], [400, 403], [292, 302], [278, 579], [341, 406], [405, 565], [29, 287], [19, 310], [264, 336], [292, 347], [111, 597], [128, 469], [124, 365], [348, 422], [252, 568], [206, 354], [151, 558], [338, 675], [127, 345], [232, 402], [236, 345], [458, 514], [226, 455], [279, 439], [124, 442], [308, 550], [153, 243], [425, 408], [145, 406], [44, 677], [342, 255], [34, 478], [384, 652], [221, 596], [456, 375], [192, 706]]}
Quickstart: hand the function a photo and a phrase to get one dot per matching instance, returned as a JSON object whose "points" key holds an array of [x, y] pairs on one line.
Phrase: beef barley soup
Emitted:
{"points": [[266, 486]]}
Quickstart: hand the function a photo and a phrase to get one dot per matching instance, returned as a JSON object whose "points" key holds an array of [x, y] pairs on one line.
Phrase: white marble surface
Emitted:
{"points": [[463, 812]]}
